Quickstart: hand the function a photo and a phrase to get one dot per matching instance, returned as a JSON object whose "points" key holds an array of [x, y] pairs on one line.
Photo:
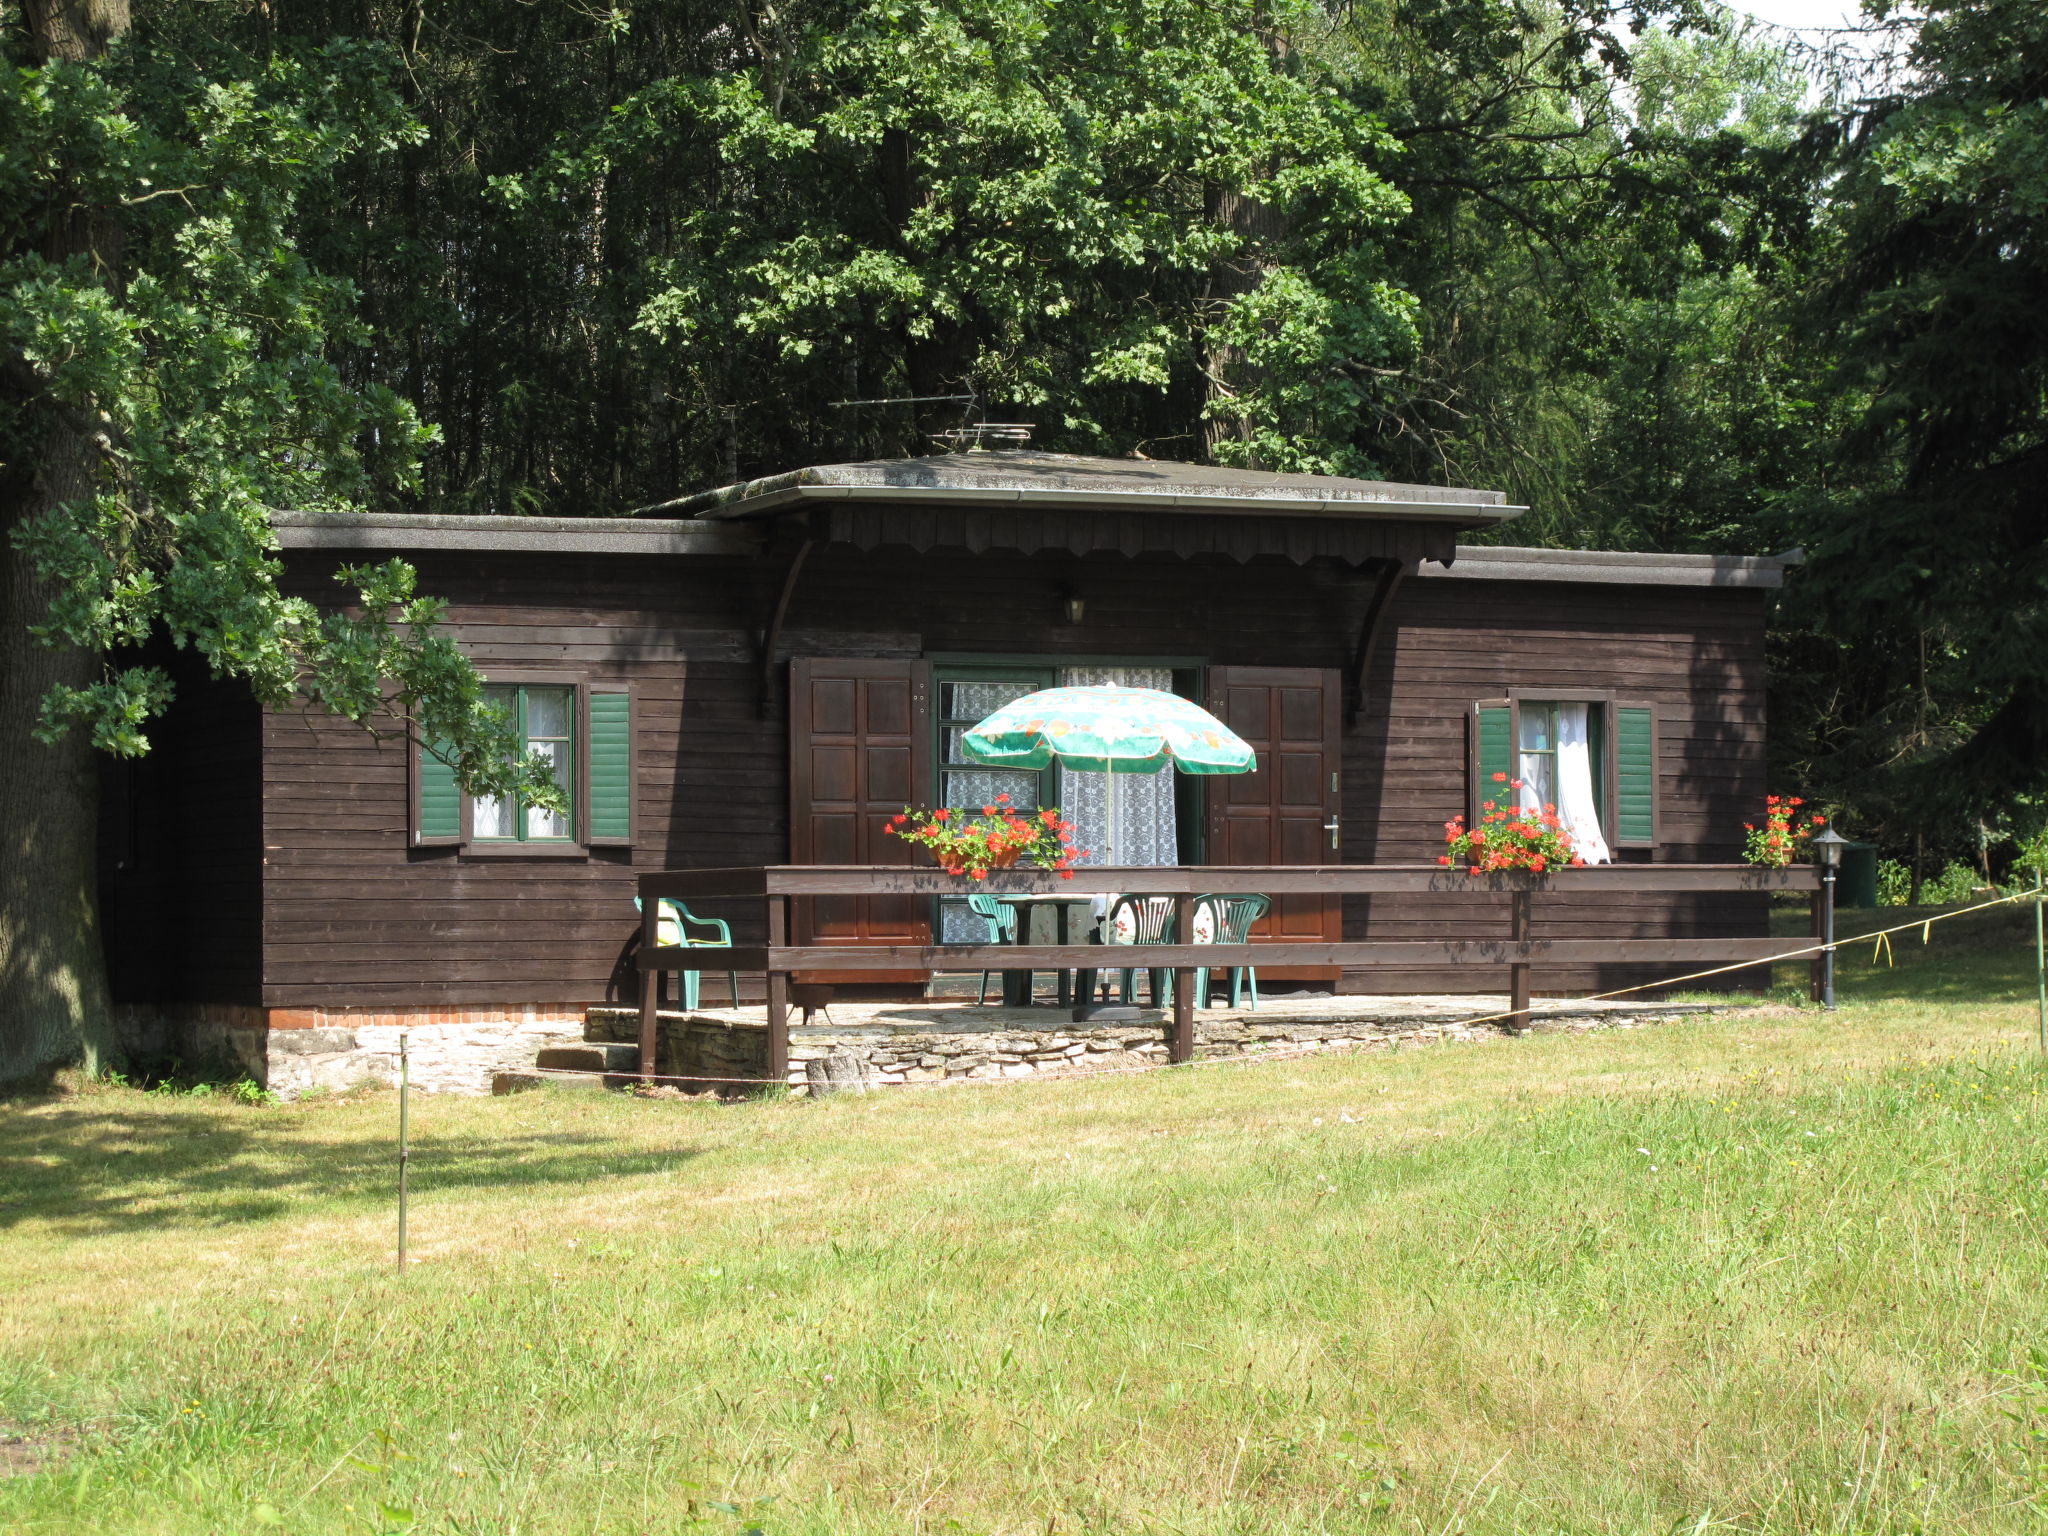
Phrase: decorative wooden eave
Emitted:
{"points": [[1026, 502]]}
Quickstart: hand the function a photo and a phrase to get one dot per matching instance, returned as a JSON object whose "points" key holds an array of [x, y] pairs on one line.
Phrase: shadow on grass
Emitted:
{"points": [[87, 1169]]}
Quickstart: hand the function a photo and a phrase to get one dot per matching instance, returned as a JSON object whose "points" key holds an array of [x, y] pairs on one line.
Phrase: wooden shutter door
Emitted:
{"points": [[608, 766], [1635, 775], [1490, 736], [437, 798], [860, 750], [1279, 813]]}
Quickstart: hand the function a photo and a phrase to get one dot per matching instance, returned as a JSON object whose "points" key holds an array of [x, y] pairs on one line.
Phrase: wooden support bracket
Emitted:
{"points": [[771, 637], [1386, 583]]}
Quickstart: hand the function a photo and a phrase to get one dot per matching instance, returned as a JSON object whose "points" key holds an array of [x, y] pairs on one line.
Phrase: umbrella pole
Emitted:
{"points": [[1089, 1011], [1109, 853]]}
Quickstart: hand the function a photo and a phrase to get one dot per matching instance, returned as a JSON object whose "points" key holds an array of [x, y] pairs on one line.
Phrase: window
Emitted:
{"points": [[968, 696], [1591, 756], [541, 718], [1547, 727], [965, 701], [584, 730]]}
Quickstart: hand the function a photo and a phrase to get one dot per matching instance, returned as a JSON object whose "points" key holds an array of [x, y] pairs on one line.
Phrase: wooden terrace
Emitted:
{"points": [[1516, 944]]}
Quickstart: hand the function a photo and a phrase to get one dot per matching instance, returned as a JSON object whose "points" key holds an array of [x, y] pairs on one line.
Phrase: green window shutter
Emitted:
{"points": [[611, 767], [1635, 775], [440, 809], [1492, 752]]}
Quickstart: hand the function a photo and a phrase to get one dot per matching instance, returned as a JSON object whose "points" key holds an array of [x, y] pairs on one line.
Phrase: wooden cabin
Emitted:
{"points": [[761, 674]]}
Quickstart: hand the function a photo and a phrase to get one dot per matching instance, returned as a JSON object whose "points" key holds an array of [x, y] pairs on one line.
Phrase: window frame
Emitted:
{"points": [[579, 843], [520, 838], [1609, 763]]}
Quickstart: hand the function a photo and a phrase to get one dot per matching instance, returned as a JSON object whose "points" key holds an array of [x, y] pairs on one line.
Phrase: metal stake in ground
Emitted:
{"points": [[2040, 963], [404, 1140]]}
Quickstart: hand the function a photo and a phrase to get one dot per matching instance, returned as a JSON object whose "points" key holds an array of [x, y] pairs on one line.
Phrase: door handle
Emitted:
{"points": [[1331, 826]]}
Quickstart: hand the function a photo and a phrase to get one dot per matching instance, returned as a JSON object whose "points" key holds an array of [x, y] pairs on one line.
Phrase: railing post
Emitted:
{"points": [[1182, 1048], [778, 993], [1518, 974], [650, 989]]}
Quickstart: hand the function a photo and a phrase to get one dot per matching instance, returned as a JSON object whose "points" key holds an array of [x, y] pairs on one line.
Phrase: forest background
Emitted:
{"points": [[1678, 280]]}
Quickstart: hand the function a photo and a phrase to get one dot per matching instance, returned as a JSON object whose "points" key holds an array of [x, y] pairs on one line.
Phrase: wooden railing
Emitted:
{"points": [[1517, 948]]}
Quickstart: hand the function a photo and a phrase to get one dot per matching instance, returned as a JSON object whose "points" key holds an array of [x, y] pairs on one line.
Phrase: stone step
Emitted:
{"points": [[598, 1057]]}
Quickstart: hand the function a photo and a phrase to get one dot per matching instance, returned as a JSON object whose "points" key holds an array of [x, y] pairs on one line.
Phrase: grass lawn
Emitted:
{"points": [[1776, 1272]]}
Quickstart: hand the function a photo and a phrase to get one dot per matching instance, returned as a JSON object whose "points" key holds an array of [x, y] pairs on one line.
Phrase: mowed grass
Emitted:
{"points": [[1772, 1272]]}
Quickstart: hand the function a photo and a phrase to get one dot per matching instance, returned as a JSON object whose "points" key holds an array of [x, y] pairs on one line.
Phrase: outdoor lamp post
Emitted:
{"points": [[1827, 854]]}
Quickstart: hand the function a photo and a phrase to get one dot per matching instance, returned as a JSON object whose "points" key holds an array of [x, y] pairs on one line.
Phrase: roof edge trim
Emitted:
{"points": [[760, 501], [1611, 567]]}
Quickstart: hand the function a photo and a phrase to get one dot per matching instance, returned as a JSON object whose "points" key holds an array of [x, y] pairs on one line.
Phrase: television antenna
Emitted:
{"points": [[981, 434]]}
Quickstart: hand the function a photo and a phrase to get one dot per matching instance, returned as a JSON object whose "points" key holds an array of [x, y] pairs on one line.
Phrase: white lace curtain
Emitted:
{"points": [[1145, 830], [1577, 806]]}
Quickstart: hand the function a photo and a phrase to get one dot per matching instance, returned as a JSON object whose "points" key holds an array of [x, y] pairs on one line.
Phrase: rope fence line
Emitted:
{"points": [[1877, 938]]}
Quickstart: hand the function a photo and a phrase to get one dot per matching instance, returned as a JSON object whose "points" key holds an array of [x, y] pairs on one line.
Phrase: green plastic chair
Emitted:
{"points": [[1001, 918], [1230, 922], [674, 915], [1152, 922]]}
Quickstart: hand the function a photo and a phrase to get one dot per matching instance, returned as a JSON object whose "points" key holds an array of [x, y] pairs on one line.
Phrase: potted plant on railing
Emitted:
{"points": [[1786, 836], [1510, 837], [971, 843]]}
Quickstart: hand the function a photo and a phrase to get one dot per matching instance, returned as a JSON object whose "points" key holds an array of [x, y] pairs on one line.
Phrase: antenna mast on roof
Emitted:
{"points": [[989, 434], [982, 434]]}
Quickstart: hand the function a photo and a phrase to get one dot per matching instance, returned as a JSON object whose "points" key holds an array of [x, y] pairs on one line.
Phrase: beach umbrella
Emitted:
{"points": [[1107, 729]]}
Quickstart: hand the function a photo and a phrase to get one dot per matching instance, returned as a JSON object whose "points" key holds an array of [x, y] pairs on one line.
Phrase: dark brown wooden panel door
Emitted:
{"points": [[1282, 812], [860, 750]]}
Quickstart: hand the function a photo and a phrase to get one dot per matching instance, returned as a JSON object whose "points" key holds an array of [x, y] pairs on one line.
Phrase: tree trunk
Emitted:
{"points": [[54, 1003], [1225, 370], [54, 1006]]}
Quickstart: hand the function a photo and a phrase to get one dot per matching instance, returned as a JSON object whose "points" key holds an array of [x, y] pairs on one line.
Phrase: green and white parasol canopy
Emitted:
{"points": [[1107, 729]]}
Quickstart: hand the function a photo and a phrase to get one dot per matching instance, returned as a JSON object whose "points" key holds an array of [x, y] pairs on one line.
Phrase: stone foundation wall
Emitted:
{"points": [[451, 1050], [476, 1050], [711, 1046]]}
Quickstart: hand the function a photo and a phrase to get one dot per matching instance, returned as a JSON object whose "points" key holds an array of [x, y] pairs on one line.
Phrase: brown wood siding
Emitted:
{"points": [[1696, 653], [355, 918]]}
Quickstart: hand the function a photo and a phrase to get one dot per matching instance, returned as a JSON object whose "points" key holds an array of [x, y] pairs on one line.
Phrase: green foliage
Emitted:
{"points": [[1927, 599], [1605, 211], [1894, 883], [1647, 266], [1015, 200], [1957, 883], [188, 340]]}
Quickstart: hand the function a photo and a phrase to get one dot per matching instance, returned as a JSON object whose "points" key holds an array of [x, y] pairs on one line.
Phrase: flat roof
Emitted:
{"points": [[1032, 476], [511, 535], [1489, 562], [687, 536]]}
